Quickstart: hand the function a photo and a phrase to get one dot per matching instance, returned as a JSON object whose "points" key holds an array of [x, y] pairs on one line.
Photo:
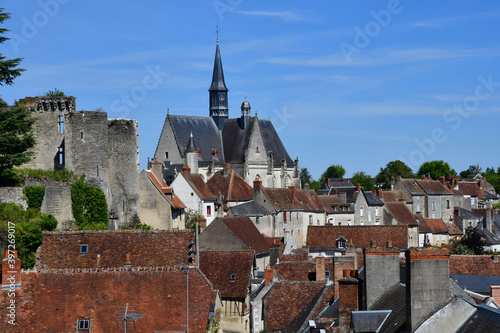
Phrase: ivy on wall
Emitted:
{"points": [[34, 195], [89, 207]]}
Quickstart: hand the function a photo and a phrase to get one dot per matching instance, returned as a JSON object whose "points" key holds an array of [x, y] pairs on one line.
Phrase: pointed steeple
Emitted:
{"points": [[219, 110], [191, 146]]}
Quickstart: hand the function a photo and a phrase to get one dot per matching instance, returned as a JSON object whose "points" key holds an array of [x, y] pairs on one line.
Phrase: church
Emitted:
{"points": [[251, 146]]}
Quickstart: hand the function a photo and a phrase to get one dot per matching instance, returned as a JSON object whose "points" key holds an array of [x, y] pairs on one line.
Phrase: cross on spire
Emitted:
{"points": [[217, 32]]}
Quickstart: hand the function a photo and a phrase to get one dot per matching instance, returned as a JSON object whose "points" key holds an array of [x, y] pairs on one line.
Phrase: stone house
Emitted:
{"points": [[397, 213], [159, 206], [433, 232], [413, 193], [235, 234], [195, 194], [464, 218], [337, 211], [373, 211], [231, 272]]}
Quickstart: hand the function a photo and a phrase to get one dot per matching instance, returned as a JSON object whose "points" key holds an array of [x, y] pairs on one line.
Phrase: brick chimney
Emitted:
{"points": [[293, 193], [257, 190], [156, 169], [348, 300], [203, 222], [320, 268], [226, 170], [358, 187], [379, 192], [268, 274], [427, 284], [442, 179], [127, 261], [307, 189], [334, 191], [393, 183], [495, 293], [11, 271], [186, 170], [374, 191]]}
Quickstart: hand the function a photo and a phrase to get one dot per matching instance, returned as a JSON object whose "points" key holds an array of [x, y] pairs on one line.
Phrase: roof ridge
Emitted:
{"points": [[138, 231], [107, 269]]}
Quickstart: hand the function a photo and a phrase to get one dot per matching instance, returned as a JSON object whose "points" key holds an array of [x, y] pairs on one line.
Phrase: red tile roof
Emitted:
{"points": [[361, 236], [474, 265], [156, 248], [282, 198], [53, 301], [199, 186], [167, 192], [301, 270], [401, 213], [330, 201], [412, 186], [453, 229], [219, 267], [469, 188], [423, 227], [245, 230], [393, 196], [437, 226], [309, 200], [286, 300], [231, 186]]}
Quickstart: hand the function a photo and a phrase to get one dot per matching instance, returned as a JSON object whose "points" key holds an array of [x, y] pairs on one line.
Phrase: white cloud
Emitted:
{"points": [[286, 16]]}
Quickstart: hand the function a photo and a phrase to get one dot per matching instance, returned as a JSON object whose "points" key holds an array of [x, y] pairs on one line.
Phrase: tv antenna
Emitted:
{"points": [[126, 316]]}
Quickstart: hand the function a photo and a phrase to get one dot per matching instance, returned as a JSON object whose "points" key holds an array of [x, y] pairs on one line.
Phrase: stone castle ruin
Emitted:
{"points": [[86, 142]]}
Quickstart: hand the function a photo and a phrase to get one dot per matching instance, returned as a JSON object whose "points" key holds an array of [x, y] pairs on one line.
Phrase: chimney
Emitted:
{"points": [[328, 182], [442, 179], [381, 273], [203, 222], [334, 191], [489, 220], [374, 191], [293, 192], [127, 261], [227, 169], [257, 190], [186, 170], [11, 271], [348, 300], [156, 169], [199, 152], [268, 274], [358, 187], [379, 193], [307, 189], [495, 293], [320, 268], [427, 284], [398, 178], [393, 183]]}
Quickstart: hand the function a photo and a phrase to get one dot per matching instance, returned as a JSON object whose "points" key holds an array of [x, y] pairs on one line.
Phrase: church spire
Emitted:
{"points": [[219, 110]]}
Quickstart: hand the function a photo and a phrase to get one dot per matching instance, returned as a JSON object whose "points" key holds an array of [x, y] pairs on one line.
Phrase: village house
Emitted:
{"points": [[337, 211], [397, 213]]}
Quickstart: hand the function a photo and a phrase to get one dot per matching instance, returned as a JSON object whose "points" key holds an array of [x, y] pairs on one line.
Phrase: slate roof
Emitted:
{"points": [[167, 192], [199, 186], [372, 199], [489, 238], [485, 319], [250, 208], [432, 187], [467, 214], [231, 186], [245, 230], [219, 266], [437, 226], [401, 213], [273, 142], [286, 300], [369, 321], [477, 283], [205, 132], [395, 300], [361, 236]]}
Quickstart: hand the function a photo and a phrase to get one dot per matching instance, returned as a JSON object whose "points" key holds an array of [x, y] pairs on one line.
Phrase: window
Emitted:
{"points": [[166, 154], [61, 155], [310, 219], [362, 222], [84, 249], [61, 124], [377, 222], [418, 207], [433, 205], [83, 325], [471, 201], [448, 203], [376, 211], [257, 220], [369, 217], [209, 210], [327, 274], [341, 243], [232, 277], [317, 221], [284, 217], [81, 135], [348, 222], [361, 211]]}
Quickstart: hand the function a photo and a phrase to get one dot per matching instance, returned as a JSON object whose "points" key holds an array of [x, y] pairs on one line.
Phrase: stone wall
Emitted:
{"points": [[13, 194], [381, 271], [123, 145], [154, 209]]}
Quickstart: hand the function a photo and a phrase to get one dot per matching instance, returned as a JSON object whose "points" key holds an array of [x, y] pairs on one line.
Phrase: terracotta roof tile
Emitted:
{"points": [[301, 270], [361, 236], [401, 213], [286, 300], [245, 230], [437, 226], [229, 271], [453, 230], [431, 186], [167, 192], [231, 186], [393, 196], [199, 186], [468, 188], [412, 186], [282, 198]]}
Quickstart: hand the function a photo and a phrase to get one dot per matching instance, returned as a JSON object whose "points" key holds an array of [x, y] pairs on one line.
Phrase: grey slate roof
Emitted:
{"points": [[476, 283], [250, 208], [489, 238], [369, 321], [218, 74], [394, 300], [467, 214], [273, 142], [372, 199], [485, 319], [236, 140]]}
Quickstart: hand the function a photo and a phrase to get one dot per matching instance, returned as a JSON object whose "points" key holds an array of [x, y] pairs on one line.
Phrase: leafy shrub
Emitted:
{"points": [[35, 195], [89, 207], [48, 222], [62, 175]]}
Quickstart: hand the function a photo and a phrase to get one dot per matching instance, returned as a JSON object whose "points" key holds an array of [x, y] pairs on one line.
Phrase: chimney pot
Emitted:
{"points": [[358, 187], [186, 170]]}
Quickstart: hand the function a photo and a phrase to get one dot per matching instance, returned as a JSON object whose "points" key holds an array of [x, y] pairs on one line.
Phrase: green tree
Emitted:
{"points": [[333, 171], [8, 67], [305, 177], [190, 218], [364, 180], [434, 169], [493, 178], [393, 169], [473, 240], [88, 205], [471, 171], [16, 139], [55, 92]]}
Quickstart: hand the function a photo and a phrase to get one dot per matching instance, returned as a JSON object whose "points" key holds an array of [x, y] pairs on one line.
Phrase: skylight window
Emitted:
{"points": [[84, 249], [233, 277]]}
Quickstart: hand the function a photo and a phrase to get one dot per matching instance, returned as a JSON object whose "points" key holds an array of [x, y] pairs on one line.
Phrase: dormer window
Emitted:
{"points": [[83, 325], [341, 243], [84, 249]]}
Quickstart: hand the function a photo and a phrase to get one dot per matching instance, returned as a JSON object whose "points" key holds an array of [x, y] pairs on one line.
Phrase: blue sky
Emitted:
{"points": [[357, 83]]}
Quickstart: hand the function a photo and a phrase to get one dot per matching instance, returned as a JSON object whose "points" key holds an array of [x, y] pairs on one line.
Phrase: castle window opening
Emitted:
{"points": [[97, 171], [166, 154], [81, 135], [61, 124], [61, 155]]}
